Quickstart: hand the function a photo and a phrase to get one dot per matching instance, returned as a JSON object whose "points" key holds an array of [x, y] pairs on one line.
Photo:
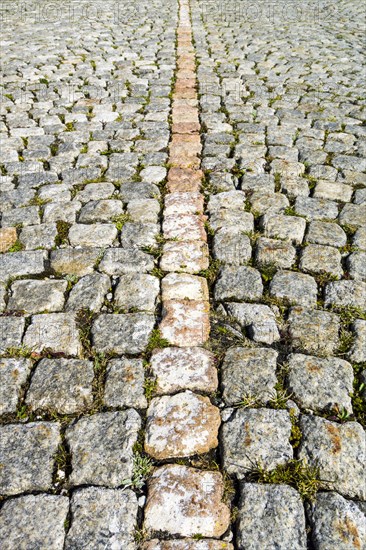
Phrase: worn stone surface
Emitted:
{"points": [[187, 544], [184, 501], [295, 288], [256, 435], [57, 332], [187, 256], [88, 293], [27, 456], [231, 246], [101, 447], [320, 384], [13, 376], [313, 331], [241, 282], [346, 293], [321, 259], [122, 333], [17, 264], [177, 369], [137, 292], [248, 372], [63, 385], [258, 320], [11, 333], [34, 521], [340, 452], [117, 261], [37, 296], [124, 385], [102, 518], [270, 516], [181, 425], [183, 286], [8, 236], [185, 323], [336, 523], [358, 350]]}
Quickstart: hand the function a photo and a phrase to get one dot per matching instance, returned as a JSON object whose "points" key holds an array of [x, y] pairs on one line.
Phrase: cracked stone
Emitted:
{"points": [[34, 521], [56, 332], [248, 372], [126, 333], [270, 516], [63, 385], [184, 501], [339, 450], [124, 386], [102, 518], [13, 376], [177, 369], [256, 435], [27, 456], [181, 425], [101, 447]]}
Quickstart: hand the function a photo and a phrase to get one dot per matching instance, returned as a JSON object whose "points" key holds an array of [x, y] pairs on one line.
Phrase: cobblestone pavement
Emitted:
{"points": [[182, 276]]}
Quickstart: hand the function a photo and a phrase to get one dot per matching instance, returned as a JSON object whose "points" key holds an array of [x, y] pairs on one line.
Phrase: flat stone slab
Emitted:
{"points": [[231, 246], [34, 521], [336, 523], [62, 385], [248, 372], [258, 320], [137, 292], [56, 332], [75, 261], [340, 452], [101, 447], [90, 235], [320, 384], [181, 425], [37, 296], [27, 456], [88, 292], [187, 256], [256, 435], [184, 501], [238, 282], [124, 385], [11, 333], [102, 518], [358, 350], [17, 264], [295, 288], [13, 376], [117, 261], [270, 516], [185, 322], [346, 294], [122, 333], [183, 286], [177, 369], [313, 331]]}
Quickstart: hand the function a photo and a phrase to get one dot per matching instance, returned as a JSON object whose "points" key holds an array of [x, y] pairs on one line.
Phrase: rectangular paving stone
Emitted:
{"points": [[35, 296], [313, 331], [270, 516], [340, 452], [238, 282], [294, 287], [185, 323], [102, 518], [13, 376], [56, 332], [17, 264], [125, 333], [187, 544], [11, 332], [101, 447], [8, 236], [117, 261], [124, 384], [27, 456], [34, 521], [75, 261], [183, 227], [185, 256]]}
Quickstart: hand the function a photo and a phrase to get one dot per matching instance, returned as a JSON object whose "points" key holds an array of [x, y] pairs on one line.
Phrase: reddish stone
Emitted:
{"points": [[8, 236], [184, 179], [183, 203], [185, 256], [185, 323], [185, 227]]}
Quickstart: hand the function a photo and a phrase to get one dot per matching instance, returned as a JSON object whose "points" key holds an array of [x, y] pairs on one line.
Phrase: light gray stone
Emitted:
{"points": [[117, 261], [257, 319], [241, 283], [27, 456], [100, 211], [11, 333], [356, 263], [290, 228], [56, 332], [101, 447], [256, 435], [34, 521], [177, 369], [316, 209], [102, 519], [270, 516], [248, 372], [17, 264], [93, 235], [37, 296], [73, 261], [345, 294], [187, 544], [95, 192], [275, 252], [144, 210], [313, 331], [358, 350], [321, 259], [320, 384], [88, 293], [62, 385], [326, 233], [38, 236], [231, 246], [139, 235], [137, 292], [359, 238], [295, 288], [124, 385], [353, 214], [336, 523], [13, 376], [340, 452], [122, 333], [153, 174]]}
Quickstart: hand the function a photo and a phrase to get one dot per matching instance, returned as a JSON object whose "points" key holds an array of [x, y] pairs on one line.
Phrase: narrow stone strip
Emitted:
{"points": [[184, 501]]}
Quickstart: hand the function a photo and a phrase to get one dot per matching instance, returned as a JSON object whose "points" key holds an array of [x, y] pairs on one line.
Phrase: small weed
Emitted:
{"points": [[71, 280], [296, 473], [156, 341], [16, 247], [140, 535], [290, 211], [37, 201], [70, 127], [120, 220], [84, 320], [62, 236], [22, 413], [150, 385], [211, 272], [21, 351], [142, 467], [268, 271], [157, 272], [346, 339]]}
